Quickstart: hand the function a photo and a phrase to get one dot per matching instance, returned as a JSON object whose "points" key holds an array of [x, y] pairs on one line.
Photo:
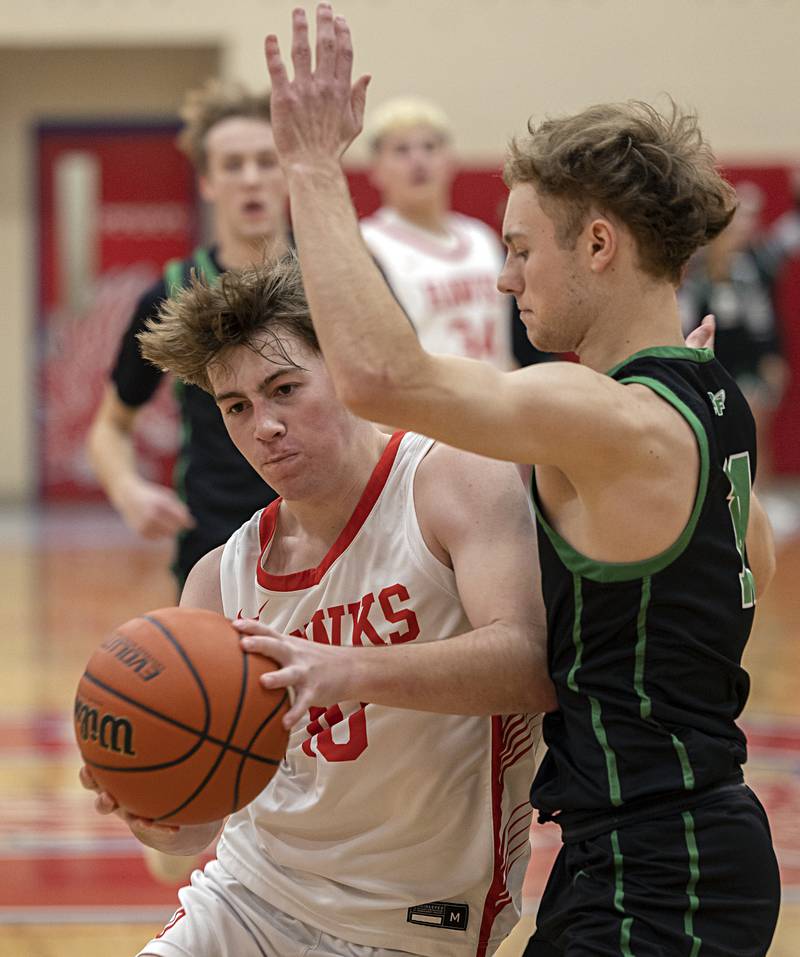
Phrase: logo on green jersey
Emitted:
{"points": [[718, 402]]}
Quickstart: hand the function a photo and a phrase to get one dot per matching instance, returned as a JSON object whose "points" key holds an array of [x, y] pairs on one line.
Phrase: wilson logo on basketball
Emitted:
{"points": [[109, 731], [132, 656]]}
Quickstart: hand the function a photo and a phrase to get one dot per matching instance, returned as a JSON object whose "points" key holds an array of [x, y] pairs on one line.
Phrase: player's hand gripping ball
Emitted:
{"points": [[172, 720]]}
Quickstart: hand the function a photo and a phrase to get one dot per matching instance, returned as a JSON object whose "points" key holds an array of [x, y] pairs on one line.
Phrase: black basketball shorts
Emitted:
{"points": [[701, 882]]}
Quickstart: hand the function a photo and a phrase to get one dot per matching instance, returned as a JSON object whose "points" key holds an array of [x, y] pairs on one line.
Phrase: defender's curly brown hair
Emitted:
{"points": [[208, 105], [654, 172], [253, 307]]}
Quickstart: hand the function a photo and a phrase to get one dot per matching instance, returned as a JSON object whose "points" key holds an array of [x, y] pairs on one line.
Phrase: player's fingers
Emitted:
{"points": [[87, 779], [270, 646], [344, 52], [250, 626], [300, 705], [326, 42], [277, 71], [358, 100], [104, 803], [142, 825], [301, 51], [280, 678]]}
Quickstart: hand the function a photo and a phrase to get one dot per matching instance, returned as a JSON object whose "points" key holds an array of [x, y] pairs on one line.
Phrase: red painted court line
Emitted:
{"points": [[80, 882]]}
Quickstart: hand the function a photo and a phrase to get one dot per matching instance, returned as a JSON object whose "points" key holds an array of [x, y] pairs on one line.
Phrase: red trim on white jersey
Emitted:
{"points": [[415, 237], [179, 913], [313, 576], [512, 739]]}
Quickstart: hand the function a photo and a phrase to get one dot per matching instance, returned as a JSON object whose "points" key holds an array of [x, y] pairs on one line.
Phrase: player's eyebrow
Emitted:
{"points": [[511, 235], [265, 384]]}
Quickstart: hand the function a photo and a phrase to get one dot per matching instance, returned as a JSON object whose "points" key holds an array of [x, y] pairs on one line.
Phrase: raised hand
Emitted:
{"points": [[320, 112], [703, 336]]}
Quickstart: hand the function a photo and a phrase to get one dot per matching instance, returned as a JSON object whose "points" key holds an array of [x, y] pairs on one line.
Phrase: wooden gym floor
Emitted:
{"points": [[72, 883]]}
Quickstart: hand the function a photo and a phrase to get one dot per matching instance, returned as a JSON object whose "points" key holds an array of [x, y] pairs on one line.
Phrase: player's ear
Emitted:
{"points": [[601, 241], [205, 188]]}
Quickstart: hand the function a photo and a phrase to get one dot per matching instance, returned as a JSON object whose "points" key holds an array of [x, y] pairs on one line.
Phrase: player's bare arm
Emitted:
{"points": [[475, 517], [547, 414], [149, 509]]}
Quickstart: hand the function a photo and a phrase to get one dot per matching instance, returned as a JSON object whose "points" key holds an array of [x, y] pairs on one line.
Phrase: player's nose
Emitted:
{"points": [[510, 279]]}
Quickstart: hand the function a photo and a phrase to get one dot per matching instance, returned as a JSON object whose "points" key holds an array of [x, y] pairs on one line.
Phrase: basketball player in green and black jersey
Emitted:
{"points": [[653, 548], [228, 137]]}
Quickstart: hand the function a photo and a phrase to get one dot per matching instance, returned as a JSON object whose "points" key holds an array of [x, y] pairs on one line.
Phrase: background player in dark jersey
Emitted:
{"points": [[228, 137], [652, 547], [735, 277]]}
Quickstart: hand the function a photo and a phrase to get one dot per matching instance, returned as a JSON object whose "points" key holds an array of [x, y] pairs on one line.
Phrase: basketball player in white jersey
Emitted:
{"points": [[441, 265], [386, 831]]}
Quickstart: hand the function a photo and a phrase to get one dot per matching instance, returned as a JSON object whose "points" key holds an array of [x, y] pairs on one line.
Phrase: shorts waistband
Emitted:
{"points": [[580, 825]]}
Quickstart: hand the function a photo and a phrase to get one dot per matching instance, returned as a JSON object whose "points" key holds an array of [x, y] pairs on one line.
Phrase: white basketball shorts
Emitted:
{"points": [[219, 917]]}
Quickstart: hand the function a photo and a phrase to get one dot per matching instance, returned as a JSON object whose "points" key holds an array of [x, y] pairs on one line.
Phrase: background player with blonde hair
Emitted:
{"points": [[228, 138], [652, 547], [441, 265], [385, 832]]}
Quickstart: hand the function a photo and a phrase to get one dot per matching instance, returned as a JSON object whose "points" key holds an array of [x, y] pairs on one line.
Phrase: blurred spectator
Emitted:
{"points": [[227, 135], [734, 278], [442, 266]]}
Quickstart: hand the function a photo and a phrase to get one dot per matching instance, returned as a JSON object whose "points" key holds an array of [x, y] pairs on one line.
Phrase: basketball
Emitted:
{"points": [[172, 720]]}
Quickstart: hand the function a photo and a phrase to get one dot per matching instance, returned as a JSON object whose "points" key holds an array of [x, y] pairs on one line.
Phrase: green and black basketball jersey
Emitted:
{"points": [[220, 487], [646, 655]]}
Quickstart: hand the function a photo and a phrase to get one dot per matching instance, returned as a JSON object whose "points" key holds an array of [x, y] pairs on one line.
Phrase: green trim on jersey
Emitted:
{"points": [[205, 264], [175, 280], [694, 876], [597, 571], [666, 352], [614, 789], [173, 276], [619, 898]]}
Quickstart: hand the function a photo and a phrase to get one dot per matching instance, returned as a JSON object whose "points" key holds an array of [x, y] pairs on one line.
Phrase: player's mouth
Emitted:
{"points": [[279, 458], [253, 208]]}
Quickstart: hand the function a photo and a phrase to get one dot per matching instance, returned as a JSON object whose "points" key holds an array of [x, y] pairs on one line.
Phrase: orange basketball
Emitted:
{"points": [[172, 720]]}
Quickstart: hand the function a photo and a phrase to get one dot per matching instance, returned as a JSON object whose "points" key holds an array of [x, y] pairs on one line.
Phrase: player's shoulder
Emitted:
{"points": [[202, 588], [447, 473]]}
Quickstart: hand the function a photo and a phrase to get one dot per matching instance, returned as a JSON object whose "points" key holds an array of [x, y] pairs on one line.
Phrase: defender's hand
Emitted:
{"points": [[320, 112], [703, 336]]}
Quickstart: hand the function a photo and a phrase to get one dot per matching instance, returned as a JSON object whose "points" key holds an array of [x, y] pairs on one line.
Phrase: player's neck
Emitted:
{"points": [[307, 528], [630, 324], [431, 218], [235, 252]]}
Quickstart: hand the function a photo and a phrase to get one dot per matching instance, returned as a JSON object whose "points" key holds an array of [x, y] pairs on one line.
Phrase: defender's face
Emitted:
{"points": [[413, 167], [544, 278], [243, 179], [285, 419]]}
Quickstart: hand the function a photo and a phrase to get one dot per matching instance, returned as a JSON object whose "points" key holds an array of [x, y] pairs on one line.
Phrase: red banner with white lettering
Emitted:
{"points": [[115, 202]]}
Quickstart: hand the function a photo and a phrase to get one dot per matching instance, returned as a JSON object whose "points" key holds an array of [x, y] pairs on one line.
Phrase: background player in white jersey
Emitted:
{"points": [[385, 831], [441, 265]]}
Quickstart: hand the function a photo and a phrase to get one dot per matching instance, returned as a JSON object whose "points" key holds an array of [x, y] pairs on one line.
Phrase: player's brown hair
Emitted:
{"points": [[253, 307], [208, 105], [655, 172]]}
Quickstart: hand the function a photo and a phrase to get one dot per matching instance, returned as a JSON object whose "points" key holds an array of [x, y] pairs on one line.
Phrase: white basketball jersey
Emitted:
{"points": [[446, 284], [385, 827]]}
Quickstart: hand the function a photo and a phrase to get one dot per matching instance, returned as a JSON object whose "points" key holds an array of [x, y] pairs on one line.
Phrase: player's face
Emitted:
{"points": [[243, 179], [282, 413], [413, 167], [545, 279]]}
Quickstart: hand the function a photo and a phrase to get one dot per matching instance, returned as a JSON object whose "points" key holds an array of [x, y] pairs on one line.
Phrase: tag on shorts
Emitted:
{"points": [[444, 914]]}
